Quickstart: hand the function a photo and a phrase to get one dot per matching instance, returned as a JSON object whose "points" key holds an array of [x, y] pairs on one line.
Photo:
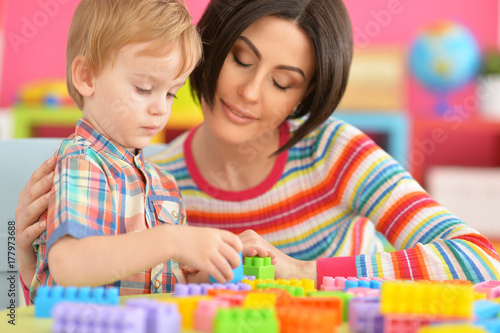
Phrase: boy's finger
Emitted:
{"points": [[233, 240], [222, 264], [231, 255]]}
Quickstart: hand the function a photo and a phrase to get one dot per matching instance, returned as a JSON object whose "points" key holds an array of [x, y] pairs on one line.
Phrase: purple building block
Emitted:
{"points": [[365, 316], [160, 317], [85, 317]]}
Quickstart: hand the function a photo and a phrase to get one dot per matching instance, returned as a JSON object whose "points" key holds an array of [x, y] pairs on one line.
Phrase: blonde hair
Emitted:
{"points": [[100, 28]]}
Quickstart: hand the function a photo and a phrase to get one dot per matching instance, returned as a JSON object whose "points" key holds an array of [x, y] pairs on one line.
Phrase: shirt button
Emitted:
{"points": [[157, 284], [174, 213]]}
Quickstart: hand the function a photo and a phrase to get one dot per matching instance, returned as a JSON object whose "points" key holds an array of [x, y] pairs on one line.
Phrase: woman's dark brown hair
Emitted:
{"points": [[328, 26]]}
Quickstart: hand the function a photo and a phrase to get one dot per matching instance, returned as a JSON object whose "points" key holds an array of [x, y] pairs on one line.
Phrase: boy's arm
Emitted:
{"points": [[99, 260]]}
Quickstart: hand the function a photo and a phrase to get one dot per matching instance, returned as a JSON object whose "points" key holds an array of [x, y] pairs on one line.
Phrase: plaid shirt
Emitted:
{"points": [[103, 189]]}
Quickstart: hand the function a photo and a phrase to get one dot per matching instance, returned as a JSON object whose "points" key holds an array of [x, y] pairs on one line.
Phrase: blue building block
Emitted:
{"points": [[47, 297], [491, 325], [237, 273], [484, 309]]}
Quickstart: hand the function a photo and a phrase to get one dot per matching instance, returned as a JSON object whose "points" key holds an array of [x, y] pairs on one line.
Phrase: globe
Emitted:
{"points": [[444, 57]]}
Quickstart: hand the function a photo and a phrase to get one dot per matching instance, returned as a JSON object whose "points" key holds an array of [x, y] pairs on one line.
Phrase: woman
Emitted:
{"points": [[271, 164]]}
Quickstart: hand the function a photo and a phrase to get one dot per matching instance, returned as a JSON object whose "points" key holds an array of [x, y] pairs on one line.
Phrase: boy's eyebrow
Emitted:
{"points": [[259, 56], [146, 76]]}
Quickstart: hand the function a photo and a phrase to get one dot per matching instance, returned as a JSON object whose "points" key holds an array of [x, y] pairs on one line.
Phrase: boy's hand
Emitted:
{"points": [[211, 250]]}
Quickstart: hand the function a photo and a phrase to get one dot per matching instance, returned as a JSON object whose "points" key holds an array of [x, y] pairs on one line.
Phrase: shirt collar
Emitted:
{"points": [[102, 143]]}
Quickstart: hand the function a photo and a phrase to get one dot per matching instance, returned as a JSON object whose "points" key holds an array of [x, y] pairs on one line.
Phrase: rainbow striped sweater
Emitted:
{"points": [[327, 197]]}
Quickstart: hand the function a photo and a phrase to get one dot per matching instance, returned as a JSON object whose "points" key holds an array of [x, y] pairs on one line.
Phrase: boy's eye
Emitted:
{"points": [[170, 95], [238, 61], [143, 91]]}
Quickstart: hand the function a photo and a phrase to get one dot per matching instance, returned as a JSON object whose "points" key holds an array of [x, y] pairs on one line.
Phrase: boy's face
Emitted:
{"points": [[132, 97]]}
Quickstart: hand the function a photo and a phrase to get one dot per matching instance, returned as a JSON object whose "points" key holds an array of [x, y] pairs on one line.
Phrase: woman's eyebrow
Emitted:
{"points": [[251, 46], [259, 56]]}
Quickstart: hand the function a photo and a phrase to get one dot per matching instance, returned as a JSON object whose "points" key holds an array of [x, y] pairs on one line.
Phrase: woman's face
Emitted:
{"points": [[265, 75]]}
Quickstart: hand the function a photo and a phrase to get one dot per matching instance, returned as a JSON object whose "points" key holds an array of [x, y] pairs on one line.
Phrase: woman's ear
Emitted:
{"points": [[82, 77]]}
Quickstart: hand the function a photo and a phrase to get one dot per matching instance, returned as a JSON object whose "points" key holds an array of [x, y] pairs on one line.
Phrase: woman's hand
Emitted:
{"points": [[33, 201], [285, 267]]}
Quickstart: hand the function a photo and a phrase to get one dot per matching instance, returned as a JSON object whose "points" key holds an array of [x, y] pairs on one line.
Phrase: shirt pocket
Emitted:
{"points": [[165, 208]]}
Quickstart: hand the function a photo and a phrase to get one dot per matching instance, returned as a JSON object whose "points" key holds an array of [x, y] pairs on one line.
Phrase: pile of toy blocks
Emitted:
{"points": [[260, 304]]}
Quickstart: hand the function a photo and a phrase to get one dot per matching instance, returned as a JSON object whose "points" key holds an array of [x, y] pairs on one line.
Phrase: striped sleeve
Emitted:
{"points": [[430, 242]]}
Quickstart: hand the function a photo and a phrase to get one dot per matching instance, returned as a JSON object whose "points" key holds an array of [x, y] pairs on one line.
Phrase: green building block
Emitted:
{"points": [[339, 294], [245, 320], [259, 267], [293, 291]]}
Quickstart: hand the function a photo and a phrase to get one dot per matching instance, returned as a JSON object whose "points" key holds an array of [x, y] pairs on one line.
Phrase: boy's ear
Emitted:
{"points": [[82, 77]]}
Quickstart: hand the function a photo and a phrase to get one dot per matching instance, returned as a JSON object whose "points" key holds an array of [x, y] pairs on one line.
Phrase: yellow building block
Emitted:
{"points": [[186, 305], [438, 299], [260, 300]]}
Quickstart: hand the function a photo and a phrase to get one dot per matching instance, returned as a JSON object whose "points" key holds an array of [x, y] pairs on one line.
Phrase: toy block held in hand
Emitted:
{"points": [[259, 267], [237, 273], [47, 297]]}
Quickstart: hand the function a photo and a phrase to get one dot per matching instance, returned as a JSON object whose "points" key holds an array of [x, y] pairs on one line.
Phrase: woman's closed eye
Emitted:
{"points": [[239, 62]]}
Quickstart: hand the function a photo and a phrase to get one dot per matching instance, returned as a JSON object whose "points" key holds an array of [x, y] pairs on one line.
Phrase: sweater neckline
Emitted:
{"points": [[217, 193]]}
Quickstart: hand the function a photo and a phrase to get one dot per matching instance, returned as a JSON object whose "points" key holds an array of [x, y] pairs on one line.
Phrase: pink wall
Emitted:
{"points": [[40, 51], [35, 44]]}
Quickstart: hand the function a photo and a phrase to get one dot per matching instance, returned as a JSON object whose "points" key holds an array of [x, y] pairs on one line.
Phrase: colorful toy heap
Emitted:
{"points": [[262, 304]]}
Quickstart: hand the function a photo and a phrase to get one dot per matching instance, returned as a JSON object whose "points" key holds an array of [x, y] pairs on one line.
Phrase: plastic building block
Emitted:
{"points": [[86, 317], [490, 288], [342, 284], [205, 312], [435, 299], [344, 297], [484, 309], [259, 267], [260, 300], [491, 325], [331, 303], [237, 273], [365, 316], [47, 297], [306, 284], [294, 291], [187, 306], [245, 320], [363, 292], [405, 323], [297, 319], [453, 328], [160, 317]]}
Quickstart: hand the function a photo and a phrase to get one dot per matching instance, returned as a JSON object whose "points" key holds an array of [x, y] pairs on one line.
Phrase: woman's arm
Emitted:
{"points": [[33, 201], [431, 242]]}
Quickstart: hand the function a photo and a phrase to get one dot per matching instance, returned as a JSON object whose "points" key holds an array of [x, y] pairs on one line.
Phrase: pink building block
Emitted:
{"points": [[490, 288], [363, 292], [204, 314]]}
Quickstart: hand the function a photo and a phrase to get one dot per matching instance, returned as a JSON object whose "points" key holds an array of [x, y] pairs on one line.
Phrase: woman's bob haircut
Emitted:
{"points": [[328, 26]]}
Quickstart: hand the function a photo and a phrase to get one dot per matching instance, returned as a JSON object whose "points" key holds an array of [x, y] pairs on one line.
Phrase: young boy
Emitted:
{"points": [[115, 217]]}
